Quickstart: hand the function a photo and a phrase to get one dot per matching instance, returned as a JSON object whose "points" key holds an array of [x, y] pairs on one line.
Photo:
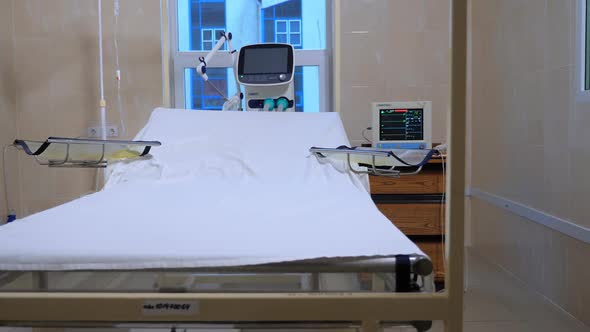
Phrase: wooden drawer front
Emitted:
{"points": [[414, 219], [434, 250], [425, 182]]}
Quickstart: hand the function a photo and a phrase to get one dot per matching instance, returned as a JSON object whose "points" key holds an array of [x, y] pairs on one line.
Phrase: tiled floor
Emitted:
{"points": [[496, 301]]}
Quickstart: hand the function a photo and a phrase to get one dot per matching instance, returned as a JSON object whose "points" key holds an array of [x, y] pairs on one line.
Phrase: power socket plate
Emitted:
{"points": [[95, 132]]}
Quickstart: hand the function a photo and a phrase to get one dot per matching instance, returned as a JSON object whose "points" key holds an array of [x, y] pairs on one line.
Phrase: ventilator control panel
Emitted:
{"points": [[265, 64]]}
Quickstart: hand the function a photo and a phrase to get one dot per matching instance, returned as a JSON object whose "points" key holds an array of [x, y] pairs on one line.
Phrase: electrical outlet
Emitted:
{"points": [[95, 132]]}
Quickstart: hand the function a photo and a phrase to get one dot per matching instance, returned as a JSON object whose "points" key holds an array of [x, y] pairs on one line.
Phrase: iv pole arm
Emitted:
{"points": [[202, 67], [234, 101]]}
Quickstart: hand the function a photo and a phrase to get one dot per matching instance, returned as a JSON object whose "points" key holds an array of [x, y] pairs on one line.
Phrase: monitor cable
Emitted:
{"points": [[442, 150], [10, 214], [364, 136]]}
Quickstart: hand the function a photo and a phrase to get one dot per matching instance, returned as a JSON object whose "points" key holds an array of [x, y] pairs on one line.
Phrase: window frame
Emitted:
{"points": [[288, 33], [179, 60], [213, 41], [282, 33], [300, 33], [582, 72]]}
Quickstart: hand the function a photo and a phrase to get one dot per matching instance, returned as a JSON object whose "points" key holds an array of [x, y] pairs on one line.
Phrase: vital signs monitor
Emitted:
{"points": [[402, 125]]}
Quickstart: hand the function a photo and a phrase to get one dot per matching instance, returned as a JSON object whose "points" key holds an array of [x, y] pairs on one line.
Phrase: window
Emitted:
{"points": [[288, 32], [205, 96], [196, 26]]}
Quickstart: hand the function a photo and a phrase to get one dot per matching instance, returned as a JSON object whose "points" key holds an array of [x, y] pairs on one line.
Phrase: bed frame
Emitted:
{"points": [[403, 273], [369, 310]]}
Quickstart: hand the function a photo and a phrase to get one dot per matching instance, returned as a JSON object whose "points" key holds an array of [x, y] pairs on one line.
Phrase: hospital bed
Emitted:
{"points": [[367, 310], [231, 201]]}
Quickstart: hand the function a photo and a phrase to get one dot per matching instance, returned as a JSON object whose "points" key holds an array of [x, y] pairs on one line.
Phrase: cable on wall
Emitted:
{"points": [[11, 215], [442, 148], [118, 78], [442, 208]]}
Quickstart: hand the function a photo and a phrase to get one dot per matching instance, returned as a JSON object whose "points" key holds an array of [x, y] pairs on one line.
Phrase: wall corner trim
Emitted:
{"points": [[563, 226]]}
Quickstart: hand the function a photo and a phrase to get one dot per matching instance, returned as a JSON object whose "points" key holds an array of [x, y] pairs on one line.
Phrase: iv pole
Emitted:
{"points": [[102, 102]]}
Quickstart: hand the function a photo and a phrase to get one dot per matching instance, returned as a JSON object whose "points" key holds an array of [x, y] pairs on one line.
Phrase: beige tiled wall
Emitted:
{"points": [[530, 142], [7, 101], [393, 50], [56, 82], [550, 262], [56, 88]]}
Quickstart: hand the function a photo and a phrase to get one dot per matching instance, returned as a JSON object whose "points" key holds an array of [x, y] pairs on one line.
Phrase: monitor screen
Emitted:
{"points": [[266, 61], [401, 124]]}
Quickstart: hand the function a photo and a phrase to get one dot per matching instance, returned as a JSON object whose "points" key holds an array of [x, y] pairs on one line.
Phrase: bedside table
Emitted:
{"points": [[415, 205]]}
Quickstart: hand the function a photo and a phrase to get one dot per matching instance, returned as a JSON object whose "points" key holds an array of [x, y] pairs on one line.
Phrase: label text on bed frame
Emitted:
{"points": [[160, 308]]}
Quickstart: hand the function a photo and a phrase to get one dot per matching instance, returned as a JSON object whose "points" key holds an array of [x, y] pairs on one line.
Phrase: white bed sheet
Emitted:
{"points": [[224, 189]]}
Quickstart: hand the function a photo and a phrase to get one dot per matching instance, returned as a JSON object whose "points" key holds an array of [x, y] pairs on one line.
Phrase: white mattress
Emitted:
{"points": [[224, 189]]}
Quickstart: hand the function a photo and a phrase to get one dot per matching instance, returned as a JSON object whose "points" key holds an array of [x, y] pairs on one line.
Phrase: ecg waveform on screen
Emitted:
{"points": [[401, 124]]}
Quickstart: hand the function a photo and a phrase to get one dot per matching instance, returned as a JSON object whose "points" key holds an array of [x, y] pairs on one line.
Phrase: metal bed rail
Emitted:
{"points": [[371, 158], [419, 326], [66, 156], [420, 265], [403, 273]]}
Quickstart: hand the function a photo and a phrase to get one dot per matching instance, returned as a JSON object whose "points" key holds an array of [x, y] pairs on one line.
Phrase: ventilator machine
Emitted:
{"points": [[265, 70]]}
